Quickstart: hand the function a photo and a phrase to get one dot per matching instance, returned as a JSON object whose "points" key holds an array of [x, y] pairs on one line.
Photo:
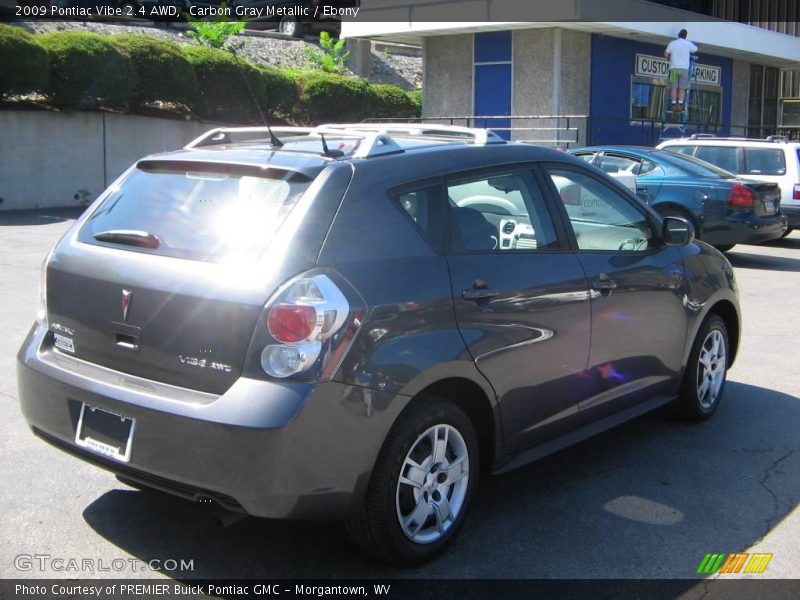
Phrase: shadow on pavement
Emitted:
{"points": [[41, 216], [763, 261], [785, 242], [647, 499]]}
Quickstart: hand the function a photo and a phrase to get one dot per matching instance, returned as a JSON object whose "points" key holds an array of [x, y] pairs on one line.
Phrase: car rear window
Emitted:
{"points": [[764, 161], [694, 166], [207, 212]]}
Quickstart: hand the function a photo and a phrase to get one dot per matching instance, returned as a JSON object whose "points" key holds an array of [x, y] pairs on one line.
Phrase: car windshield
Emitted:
{"points": [[200, 212], [694, 166]]}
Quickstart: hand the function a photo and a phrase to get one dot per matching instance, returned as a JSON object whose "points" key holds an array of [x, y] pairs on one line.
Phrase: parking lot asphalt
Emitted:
{"points": [[645, 500]]}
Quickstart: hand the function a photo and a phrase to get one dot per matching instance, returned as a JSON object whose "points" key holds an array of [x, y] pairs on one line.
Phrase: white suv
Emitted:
{"points": [[774, 159]]}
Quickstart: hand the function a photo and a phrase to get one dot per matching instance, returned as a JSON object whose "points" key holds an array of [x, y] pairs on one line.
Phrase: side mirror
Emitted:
{"points": [[677, 231]]}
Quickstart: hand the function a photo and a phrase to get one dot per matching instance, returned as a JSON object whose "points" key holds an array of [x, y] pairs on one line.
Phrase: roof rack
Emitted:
{"points": [[239, 135], [374, 139], [479, 137], [777, 139]]}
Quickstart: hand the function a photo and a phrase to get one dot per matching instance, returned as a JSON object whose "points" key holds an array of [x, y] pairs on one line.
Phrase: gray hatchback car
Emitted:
{"points": [[354, 322]]}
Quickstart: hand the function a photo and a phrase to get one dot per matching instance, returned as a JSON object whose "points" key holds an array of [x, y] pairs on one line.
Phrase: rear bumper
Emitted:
{"points": [[745, 228], [264, 448], [792, 213]]}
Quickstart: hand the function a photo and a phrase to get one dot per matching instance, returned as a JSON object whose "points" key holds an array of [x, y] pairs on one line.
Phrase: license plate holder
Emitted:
{"points": [[105, 432]]}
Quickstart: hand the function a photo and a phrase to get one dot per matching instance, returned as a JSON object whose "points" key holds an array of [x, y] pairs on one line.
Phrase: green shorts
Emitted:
{"points": [[679, 78]]}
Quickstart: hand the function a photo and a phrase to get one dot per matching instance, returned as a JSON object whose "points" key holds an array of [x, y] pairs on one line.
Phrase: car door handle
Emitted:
{"points": [[604, 284], [479, 294]]}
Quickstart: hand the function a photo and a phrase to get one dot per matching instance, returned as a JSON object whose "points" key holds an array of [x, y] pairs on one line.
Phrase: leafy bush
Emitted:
{"points": [[328, 97], [25, 65], [87, 71], [331, 56], [231, 89], [280, 93], [215, 34], [390, 101], [416, 98], [163, 74]]}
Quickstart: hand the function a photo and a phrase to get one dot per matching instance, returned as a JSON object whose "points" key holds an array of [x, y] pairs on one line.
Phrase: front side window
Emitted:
{"points": [[504, 212], [601, 218]]}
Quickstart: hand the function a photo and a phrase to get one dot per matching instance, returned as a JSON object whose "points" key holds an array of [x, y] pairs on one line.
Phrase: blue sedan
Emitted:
{"points": [[723, 209]]}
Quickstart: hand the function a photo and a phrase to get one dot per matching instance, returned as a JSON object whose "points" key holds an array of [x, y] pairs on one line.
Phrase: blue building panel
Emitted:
{"points": [[493, 46], [493, 96], [613, 64]]}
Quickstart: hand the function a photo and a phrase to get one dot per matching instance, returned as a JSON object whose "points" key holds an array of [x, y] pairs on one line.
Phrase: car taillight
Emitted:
{"points": [[311, 324], [290, 323], [41, 309], [796, 195], [740, 196]]}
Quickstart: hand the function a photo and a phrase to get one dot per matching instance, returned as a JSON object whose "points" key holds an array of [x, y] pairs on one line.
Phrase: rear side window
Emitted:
{"points": [[202, 212], [614, 163], [722, 156], [423, 207], [764, 161], [688, 150]]}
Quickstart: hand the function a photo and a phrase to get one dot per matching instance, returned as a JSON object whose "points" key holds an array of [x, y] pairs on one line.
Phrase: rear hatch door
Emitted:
{"points": [[167, 277]]}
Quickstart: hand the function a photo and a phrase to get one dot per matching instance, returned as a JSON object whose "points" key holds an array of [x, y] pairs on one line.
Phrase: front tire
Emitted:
{"points": [[706, 372], [291, 27], [421, 487]]}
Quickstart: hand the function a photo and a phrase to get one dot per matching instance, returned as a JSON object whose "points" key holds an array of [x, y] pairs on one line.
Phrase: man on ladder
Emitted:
{"points": [[679, 52]]}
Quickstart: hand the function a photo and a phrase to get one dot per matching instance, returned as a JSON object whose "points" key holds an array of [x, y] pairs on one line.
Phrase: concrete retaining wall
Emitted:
{"points": [[50, 159]]}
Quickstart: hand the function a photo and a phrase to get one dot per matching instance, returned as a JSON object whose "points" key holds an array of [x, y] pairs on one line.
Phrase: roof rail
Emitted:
{"points": [[237, 135], [374, 139], [479, 137], [702, 136]]}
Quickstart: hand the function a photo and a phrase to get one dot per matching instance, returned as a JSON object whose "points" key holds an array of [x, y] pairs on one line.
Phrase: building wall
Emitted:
{"points": [[613, 64], [55, 159], [448, 76]]}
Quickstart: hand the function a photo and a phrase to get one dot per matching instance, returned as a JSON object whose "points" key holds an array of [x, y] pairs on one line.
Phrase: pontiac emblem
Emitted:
{"points": [[126, 302]]}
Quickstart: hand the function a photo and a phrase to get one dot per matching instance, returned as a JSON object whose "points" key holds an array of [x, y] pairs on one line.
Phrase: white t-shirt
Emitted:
{"points": [[679, 51]]}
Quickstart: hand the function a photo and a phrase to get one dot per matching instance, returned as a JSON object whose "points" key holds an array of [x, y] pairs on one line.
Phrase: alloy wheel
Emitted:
{"points": [[711, 368], [433, 484]]}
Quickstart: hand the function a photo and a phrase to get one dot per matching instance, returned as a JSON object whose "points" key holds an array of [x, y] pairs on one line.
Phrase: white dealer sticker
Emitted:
{"points": [[64, 343]]}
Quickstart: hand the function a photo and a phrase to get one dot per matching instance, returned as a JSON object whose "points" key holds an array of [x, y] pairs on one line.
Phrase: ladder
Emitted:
{"points": [[676, 127]]}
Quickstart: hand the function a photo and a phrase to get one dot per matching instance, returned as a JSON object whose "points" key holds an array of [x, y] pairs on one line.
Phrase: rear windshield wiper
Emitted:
{"points": [[131, 237]]}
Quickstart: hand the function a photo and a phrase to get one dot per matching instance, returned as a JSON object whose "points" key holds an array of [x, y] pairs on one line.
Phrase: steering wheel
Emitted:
{"points": [[633, 245]]}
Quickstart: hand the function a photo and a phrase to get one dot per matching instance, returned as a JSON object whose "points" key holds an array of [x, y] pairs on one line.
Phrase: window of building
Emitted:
{"points": [[649, 103]]}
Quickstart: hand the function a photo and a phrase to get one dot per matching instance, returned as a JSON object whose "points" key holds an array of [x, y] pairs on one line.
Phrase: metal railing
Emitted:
{"points": [[568, 131]]}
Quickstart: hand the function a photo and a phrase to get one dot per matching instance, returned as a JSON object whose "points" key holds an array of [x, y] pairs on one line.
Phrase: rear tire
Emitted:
{"points": [[706, 372], [421, 487], [724, 247]]}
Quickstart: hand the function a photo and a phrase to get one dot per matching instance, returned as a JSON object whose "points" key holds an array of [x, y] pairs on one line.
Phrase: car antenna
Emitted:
{"points": [[273, 139], [327, 151]]}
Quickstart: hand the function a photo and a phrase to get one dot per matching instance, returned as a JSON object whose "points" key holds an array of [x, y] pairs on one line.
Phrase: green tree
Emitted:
{"points": [[217, 33], [330, 57]]}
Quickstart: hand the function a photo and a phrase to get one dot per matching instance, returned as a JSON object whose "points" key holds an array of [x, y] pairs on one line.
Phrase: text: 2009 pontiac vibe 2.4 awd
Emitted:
{"points": [[353, 322]]}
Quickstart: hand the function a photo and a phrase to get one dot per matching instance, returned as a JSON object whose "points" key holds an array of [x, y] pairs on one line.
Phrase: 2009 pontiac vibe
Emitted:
{"points": [[355, 321]]}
